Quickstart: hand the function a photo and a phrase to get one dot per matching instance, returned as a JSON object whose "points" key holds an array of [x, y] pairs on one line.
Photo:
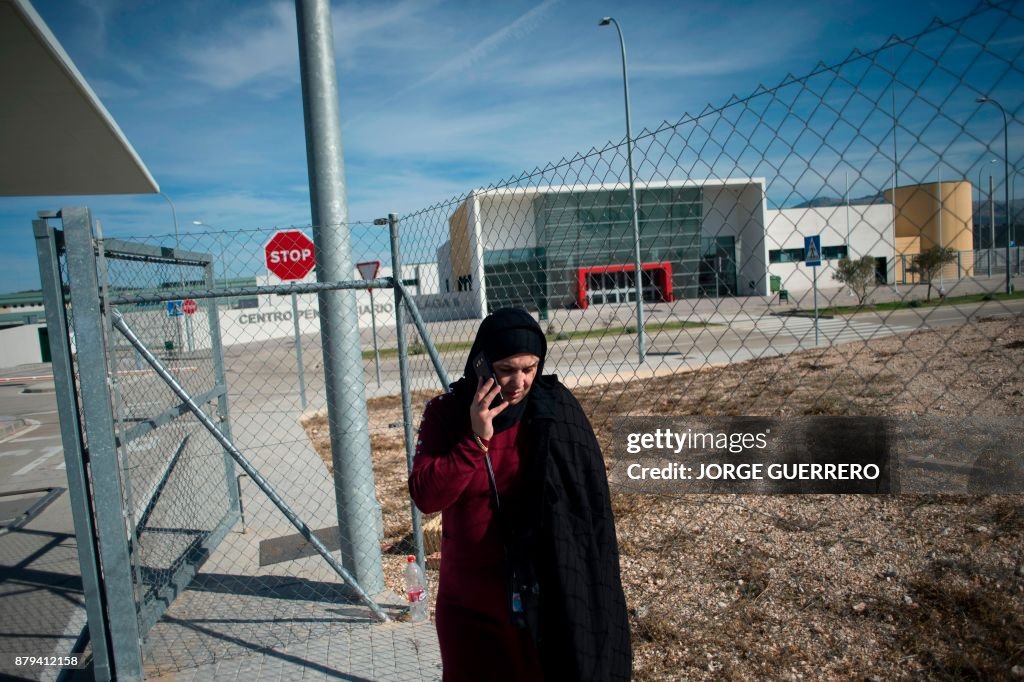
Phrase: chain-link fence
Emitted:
{"points": [[873, 166]]}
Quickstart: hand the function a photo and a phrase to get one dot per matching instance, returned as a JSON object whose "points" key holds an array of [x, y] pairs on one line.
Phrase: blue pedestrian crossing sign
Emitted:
{"points": [[812, 251], [174, 309]]}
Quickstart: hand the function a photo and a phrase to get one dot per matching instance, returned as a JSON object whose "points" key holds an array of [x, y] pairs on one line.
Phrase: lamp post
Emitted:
{"points": [[895, 183], [1006, 188], [223, 266], [1013, 191], [174, 217], [942, 244], [641, 340]]}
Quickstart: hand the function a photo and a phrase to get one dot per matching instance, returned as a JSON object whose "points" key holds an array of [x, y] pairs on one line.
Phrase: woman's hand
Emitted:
{"points": [[480, 414]]}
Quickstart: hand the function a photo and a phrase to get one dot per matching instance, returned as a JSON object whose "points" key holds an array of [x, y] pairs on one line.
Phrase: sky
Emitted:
{"points": [[436, 97]]}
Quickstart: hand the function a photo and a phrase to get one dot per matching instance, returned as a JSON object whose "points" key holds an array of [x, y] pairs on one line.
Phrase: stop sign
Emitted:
{"points": [[290, 255]]}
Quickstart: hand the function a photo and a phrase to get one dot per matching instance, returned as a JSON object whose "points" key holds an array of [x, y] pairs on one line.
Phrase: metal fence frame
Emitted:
{"points": [[118, 615]]}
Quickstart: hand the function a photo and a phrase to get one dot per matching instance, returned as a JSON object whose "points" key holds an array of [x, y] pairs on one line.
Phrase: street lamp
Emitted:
{"points": [[641, 335], [1013, 185], [174, 216], [223, 267], [1006, 188]]}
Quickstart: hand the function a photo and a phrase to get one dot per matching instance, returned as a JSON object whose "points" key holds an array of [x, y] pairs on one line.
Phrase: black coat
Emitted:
{"points": [[564, 549]]}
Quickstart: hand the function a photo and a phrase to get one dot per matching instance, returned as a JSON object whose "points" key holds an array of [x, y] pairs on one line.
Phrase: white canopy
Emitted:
{"points": [[56, 137]]}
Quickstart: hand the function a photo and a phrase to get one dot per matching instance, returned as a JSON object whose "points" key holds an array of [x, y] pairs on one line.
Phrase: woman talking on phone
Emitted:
{"points": [[530, 586]]}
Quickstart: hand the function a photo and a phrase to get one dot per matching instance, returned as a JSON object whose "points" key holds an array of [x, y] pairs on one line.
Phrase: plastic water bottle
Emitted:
{"points": [[416, 590]]}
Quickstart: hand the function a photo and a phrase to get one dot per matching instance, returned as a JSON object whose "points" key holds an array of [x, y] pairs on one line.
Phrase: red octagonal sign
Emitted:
{"points": [[290, 255]]}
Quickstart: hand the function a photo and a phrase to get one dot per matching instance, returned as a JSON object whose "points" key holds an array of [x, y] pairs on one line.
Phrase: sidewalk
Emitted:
{"points": [[394, 651]]}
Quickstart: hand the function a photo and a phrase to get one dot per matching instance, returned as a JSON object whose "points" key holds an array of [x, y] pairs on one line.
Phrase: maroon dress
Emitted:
{"points": [[449, 475]]}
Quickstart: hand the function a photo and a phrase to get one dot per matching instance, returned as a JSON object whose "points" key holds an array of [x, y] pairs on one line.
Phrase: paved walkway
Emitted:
{"points": [[403, 652]]}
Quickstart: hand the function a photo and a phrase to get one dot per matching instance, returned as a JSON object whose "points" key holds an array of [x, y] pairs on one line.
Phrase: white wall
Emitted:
{"points": [[20, 345], [870, 230], [508, 221], [445, 277], [455, 305], [738, 211], [273, 319], [427, 276]]}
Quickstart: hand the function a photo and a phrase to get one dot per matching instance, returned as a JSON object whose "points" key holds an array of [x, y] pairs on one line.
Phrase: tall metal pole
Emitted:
{"points": [[403, 374], [299, 364], [981, 221], [174, 217], [376, 351], [895, 184], [992, 217], [895, 159], [942, 244], [641, 336], [1006, 188], [1009, 209], [359, 516], [846, 200]]}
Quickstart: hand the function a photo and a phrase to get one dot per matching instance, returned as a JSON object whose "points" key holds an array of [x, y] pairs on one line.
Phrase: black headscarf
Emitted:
{"points": [[502, 334]]}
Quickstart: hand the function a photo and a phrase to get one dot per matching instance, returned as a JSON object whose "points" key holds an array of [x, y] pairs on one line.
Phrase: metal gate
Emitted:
{"points": [[153, 472]]}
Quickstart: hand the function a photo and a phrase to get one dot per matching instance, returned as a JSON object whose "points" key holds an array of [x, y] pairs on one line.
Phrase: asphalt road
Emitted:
{"points": [[41, 604]]}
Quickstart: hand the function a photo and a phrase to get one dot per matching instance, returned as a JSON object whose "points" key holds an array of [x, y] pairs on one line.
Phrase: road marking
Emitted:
{"points": [[16, 453], [35, 438], [33, 425], [48, 453], [39, 414], [21, 380], [836, 330]]}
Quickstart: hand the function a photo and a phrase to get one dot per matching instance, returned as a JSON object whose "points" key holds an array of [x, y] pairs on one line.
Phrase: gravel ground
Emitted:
{"points": [[806, 586]]}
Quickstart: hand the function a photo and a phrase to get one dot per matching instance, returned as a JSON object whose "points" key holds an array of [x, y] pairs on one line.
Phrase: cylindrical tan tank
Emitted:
{"points": [[920, 224]]}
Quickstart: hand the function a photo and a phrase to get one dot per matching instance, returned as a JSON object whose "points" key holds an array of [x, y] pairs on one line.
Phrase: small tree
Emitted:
{"points": [[857, 274], [929, 263]]}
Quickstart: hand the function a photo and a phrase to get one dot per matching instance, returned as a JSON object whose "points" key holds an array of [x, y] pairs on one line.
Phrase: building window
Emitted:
{"points": [[515, 277], [594, 229], [797, 255], [786, 256], [245, 303]]}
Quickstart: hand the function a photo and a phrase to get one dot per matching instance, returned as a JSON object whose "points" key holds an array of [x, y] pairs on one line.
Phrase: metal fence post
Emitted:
{"points": [[79, 496], [300, 366], [223, 408], [403, 371], [105, 474], [360, 522]]}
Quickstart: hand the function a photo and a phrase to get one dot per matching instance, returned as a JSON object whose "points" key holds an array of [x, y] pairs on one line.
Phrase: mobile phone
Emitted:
{"points": [[483, 369]]}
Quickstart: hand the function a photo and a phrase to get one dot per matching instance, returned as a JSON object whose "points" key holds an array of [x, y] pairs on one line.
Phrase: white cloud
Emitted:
{"points": [[375, 26], [259, 45], [516, 30]]}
